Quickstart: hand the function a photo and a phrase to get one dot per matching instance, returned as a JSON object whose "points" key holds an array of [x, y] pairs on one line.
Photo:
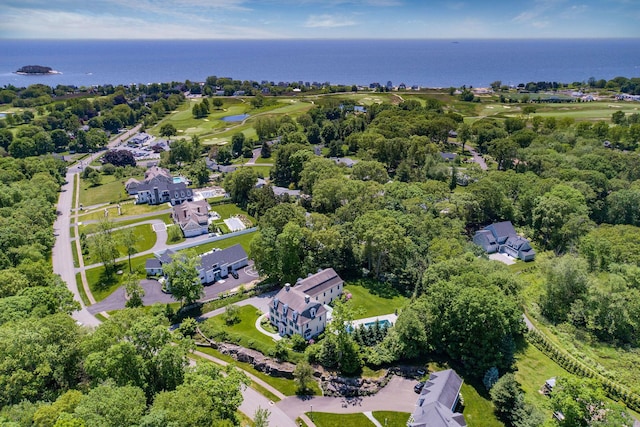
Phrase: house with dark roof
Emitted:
{"points": [[192, 217], [214, 265], [301, 309], [158, 187], [501, 237], [436, 404]]}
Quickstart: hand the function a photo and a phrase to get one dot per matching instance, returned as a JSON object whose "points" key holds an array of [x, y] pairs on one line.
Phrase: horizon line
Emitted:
{"points": [[325, 39]]}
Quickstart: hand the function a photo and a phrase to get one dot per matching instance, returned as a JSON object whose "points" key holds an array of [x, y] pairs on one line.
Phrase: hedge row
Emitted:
{"points": [[571, 364]]}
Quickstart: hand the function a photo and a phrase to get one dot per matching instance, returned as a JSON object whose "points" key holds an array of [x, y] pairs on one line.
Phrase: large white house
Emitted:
{"points": [[437, 402], [300, 309]]}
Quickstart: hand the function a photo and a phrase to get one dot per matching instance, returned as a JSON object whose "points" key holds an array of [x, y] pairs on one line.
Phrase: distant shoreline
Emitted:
{"points": [[22, 73]]}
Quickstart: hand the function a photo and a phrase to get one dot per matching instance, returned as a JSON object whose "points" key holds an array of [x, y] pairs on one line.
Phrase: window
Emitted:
{"points": [[312, 312], [275, 303]]}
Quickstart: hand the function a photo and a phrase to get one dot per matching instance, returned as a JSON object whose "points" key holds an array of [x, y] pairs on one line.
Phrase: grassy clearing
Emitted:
{"points": [[324, 419], [262, 171], [228, 210], [370, 298], [74, 254], [391, 419], [533, 369], [111, 190]]}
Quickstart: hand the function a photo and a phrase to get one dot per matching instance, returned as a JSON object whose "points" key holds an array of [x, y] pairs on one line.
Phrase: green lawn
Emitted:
{"points": [[227, 210], [244, 332], [324, 419], [391, 419], [92, 228], [478, 410], [244, 240], [533, 369], [146, 238], [111, 190], [262, 171], [261, 161], [83, 294], [370, 298]]}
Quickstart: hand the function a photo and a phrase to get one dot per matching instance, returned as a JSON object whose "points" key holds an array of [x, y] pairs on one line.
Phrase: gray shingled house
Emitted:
{"points": [[437, 402], [501, 237], [158, 187]]}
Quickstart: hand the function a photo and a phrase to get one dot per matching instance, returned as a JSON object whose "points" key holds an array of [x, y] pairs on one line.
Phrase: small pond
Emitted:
{"points": [[236, 118]]}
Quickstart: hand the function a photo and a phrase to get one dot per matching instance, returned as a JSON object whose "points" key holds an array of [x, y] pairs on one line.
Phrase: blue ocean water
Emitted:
{"points": [[428, 63]]}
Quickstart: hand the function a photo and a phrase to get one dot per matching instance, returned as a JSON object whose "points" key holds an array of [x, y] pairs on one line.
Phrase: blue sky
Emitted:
{"points": [[341, 19]]}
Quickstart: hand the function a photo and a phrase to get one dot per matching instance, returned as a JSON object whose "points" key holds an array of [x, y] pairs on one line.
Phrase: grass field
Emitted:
{"points": [[391, 419], [370, 299], [102, 285], [324, 419], [111, 190]]}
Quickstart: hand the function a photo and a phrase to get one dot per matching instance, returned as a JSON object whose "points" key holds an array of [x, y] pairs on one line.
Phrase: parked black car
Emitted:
{"points": [[234, 274], [418, 387]]}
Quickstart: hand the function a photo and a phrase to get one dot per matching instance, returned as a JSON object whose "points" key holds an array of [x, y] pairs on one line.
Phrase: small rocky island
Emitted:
{"points": [[36, 70]]}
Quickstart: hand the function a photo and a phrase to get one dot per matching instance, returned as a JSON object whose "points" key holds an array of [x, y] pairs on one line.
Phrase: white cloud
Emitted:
{"points": [[35, 23], [328, 21]]}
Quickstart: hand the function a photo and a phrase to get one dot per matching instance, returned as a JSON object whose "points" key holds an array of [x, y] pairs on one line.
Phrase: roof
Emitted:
{"points": [[166, 256], [278, 191], [152, 263], [296, 303], [448, 156], [319, 282], [438, 400], [502, 229], [197, 211], [229, 255]]}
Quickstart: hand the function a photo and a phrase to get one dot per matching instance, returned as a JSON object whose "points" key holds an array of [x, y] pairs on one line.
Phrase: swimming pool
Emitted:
{"points": [[178, 179], [384, 323]]}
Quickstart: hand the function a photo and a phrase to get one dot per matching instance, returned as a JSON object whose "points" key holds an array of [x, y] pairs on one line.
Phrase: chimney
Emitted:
{"points": [[307, 298], [287, 287]]}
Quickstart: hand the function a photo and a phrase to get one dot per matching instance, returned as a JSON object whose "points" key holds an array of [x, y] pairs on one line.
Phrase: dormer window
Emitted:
{"points": [[275, 303], [285, 308], [295, 315], [312, 312]]}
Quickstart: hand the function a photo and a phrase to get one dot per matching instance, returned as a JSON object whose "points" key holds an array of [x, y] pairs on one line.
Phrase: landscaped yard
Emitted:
{"points": [[369, 298], [244, 332], [102, 285], [94, 227], [127, 209]]}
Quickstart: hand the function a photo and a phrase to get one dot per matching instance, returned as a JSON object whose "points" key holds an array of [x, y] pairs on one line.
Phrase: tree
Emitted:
{"points": [[110, 405], [168, 130], [261, 417], [120, 158], [510, 406], [303, 376], [184, 279], [566, 282], [239, 184], [370, 170], [133, 290], [199, 172], [583, 404], [265, 150], [128, 239], [103, 246], [237, 143]]}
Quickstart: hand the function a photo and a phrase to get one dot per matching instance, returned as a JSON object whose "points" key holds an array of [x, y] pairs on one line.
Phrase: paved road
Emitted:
{"points": [[397, 395]]}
